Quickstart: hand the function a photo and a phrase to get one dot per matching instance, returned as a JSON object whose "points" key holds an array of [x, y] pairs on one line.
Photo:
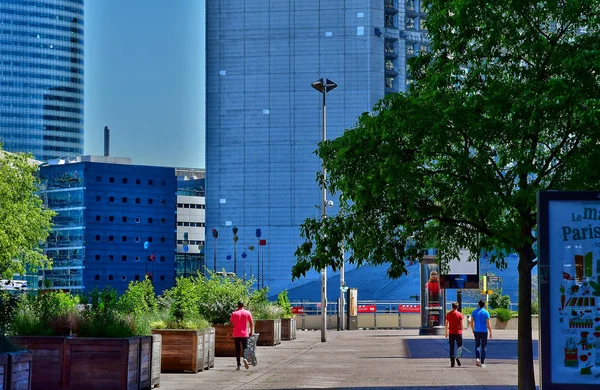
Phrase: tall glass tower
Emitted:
{"points": [[41, 77], [263, 118]]}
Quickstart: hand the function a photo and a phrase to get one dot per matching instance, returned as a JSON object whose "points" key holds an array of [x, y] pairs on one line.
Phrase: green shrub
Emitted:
{"points": [[284, 303], [467, 310], [503, 314], [179, 307], [497, 300], [261, 308], [219, 295], [8, 304], [52, 313], [139, 298], [163, 320], [535, 307]]}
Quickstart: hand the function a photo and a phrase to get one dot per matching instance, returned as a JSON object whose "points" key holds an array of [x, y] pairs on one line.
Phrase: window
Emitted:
{"points": [[124, 238], [186, 206], [111, 257], [124, 199], [150, 220], [111, 199], [410, 49], [163, 221], [137, 258], [186, 224], [96, 277], [98, 178], [123, 277], [150, 201], [111, 218], [389, 82], [149, 239], [97, 238], [137, 239], [163, 240], [150, 182], [137, 181], [424, 7], [180, 205], [124, 180], [98, 218], [137, 277], [410, 5], [137, 200], [124, 219], [389, 46], [98, 198], [124, 258], [111, 238], [162, 278], [137, 219], [163, 183], [389, 21], [163, 202], [423, 24], [410, 23], [97, 257], [424, 49], [389, 64], [111, 180], [110, 277], [162, 259]]}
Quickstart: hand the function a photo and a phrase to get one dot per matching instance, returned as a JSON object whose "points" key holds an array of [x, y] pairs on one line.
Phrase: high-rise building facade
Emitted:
{"points": [[41, 77], [263, 118]]}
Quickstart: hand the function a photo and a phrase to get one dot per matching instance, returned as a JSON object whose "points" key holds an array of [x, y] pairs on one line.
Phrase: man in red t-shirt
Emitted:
{"points": [[454, 325], [240, 321]]}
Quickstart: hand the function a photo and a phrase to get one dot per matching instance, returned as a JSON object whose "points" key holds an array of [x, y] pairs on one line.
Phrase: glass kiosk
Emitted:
{"points": [[433, 299]]}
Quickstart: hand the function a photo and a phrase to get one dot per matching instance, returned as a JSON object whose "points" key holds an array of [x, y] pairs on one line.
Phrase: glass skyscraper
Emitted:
{"points": [[41, 77], [263, 118]]}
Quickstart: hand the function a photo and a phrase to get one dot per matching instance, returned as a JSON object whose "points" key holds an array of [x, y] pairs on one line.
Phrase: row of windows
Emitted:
{"points": [[36, 25], [191, 224], [42, 107], [111, 199], [191, 242], [66, 149], [124, 278], [42, 15], [39, 4], [410, 5], [42, 76], [32, 96], [111, 238], [21, 85], [43, 56], [62, 139], [126, 180], [124, 219], [124, 258], [68, 49], [18, 64], [190, 206], [44, 117], [36, 34]]}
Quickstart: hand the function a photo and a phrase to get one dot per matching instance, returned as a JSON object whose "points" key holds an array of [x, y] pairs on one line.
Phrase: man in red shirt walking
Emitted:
{"points": [[454, 326], [239, 323]]}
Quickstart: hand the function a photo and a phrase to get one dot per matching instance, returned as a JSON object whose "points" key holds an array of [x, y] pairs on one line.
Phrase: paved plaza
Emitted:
{"points": [[364, 359]]}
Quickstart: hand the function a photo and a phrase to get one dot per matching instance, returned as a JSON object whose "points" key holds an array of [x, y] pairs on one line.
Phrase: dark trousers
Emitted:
{"points": [[451, 339], [480, 341], [239, 343]]}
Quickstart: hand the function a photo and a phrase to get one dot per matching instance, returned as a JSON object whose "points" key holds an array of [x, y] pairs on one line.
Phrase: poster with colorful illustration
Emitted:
{"points": [[571, 277]]}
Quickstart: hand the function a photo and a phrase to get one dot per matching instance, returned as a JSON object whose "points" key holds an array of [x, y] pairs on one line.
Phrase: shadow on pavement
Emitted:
{"points": [[464, 387], [437, 348]]}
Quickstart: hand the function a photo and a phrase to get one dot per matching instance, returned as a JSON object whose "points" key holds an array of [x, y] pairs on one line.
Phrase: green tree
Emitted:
{"points": [[24, 222], [505, 104]]}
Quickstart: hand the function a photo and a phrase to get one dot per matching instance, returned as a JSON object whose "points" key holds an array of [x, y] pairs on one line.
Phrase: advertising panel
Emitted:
{"points": [[367, 308], [462, 274], [569, 279], [409, 308], [353, 302]]}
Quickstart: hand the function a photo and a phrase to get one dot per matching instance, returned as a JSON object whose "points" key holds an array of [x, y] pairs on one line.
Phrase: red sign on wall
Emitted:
{"points": [[297, 310], [367, 308], [409, 308]]}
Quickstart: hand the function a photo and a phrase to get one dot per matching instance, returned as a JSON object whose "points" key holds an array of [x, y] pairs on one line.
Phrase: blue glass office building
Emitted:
{"points": [[41, 77], [263, 118], [107, 209]]}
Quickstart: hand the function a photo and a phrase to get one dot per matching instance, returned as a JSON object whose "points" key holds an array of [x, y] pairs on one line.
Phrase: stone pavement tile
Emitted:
{"points": [[373, 359]]}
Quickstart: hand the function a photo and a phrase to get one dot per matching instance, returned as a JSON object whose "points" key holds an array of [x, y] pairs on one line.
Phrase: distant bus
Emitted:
{"points": [[13, 284]]}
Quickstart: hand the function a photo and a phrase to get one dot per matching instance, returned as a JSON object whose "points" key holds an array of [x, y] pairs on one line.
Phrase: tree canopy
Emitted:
{"points": [[505, 104], [24, 221]]}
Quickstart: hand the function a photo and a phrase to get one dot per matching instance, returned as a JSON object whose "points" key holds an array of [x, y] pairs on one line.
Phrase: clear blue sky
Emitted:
{"points": [[144, 78]]}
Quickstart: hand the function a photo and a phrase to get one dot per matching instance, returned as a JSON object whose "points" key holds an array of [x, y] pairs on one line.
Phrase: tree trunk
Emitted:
{"points": [[525, 343]]}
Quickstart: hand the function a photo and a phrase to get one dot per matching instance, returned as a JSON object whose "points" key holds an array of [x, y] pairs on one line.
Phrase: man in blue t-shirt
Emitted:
{"points": [[480, 324]]}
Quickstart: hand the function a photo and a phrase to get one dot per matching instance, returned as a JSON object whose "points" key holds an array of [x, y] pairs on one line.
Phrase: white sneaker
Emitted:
{"points": [[477, 362], [483, 366], [246, 364]]}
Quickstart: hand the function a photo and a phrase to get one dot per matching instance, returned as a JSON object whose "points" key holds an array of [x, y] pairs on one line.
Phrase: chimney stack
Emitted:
{"points": [[106, 141]]}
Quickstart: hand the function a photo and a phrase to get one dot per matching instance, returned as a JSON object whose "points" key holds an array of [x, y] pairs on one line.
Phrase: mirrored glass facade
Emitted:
{"points": [[41, 77], [263, 118]]}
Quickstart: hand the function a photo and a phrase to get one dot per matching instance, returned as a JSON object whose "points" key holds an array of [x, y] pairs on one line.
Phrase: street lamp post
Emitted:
{"points": [[146, 246], [244, 255], [258, 235], [235, 240], [215, 234], [324, 85]]}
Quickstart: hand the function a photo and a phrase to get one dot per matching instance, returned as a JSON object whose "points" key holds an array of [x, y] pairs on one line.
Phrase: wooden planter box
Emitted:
{"points": [[270, 332], [145, 361], [3, 371], [223, 347], [184, 350], [209, 348], [19, 370], [102, 363], [156, 356], [48, 360], [288, 329]]}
